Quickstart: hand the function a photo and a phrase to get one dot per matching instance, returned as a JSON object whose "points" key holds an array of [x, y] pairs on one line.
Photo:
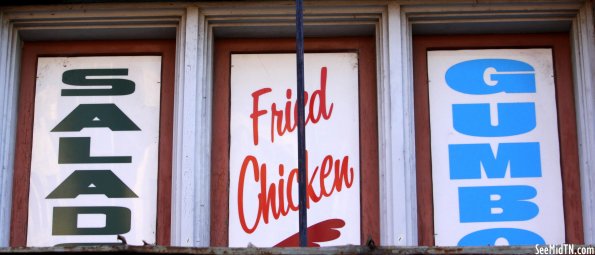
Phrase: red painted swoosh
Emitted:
{"points": [[323, 231]]}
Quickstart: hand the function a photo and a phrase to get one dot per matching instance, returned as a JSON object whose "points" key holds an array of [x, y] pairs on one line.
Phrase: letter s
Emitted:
{"points": [[78, 77]]}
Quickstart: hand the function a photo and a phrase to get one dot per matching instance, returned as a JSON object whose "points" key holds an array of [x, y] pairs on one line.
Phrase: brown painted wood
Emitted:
{"points": [[573, 217], [31, 51], [166, 126], [425, 208], [22, 162], [220, 146], [370, 224], [560, 43]]}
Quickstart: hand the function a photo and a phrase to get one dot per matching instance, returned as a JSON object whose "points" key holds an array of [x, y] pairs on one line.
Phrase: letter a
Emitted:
{"points": [[92, 182], [96, 115]]}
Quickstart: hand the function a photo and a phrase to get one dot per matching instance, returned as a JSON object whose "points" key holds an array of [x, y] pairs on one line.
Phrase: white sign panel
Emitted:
{"points": [[495, 157], [263, 198], [95, 150]]}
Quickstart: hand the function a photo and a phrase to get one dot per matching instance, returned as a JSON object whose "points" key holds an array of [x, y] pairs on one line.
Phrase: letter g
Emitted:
{"points": [[489, 76]]}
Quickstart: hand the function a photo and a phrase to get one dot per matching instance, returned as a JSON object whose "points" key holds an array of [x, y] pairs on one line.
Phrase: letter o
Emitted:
{"points": [[488, 237]]}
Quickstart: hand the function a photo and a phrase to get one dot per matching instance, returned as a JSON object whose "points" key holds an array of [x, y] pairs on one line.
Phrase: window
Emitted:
{"points": [[427, 167], [98, 158], [235, 155]]}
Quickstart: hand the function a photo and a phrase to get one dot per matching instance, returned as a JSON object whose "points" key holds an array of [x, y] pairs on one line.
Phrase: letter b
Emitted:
{"points": [[498, 203]]}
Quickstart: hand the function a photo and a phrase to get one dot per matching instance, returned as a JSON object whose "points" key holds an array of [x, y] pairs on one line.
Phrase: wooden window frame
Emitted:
{"points": [[365, 47], [567, 127], [30, 53]]}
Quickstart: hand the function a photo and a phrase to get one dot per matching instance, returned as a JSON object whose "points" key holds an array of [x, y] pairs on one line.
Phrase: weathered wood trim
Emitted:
{"points": [[583, 51], [9, 69], [397, 140]]}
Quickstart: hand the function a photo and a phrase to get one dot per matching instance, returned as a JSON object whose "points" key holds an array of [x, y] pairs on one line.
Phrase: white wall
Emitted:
{"points": [[194, 24]]}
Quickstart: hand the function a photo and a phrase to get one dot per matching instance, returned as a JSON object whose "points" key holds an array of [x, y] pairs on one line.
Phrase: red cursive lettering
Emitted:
{"points": [[284, 120], [275, 199], [256, 113]]}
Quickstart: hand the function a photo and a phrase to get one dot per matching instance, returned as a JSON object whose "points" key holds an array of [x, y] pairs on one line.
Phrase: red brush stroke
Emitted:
{"points": [[323, 231]]}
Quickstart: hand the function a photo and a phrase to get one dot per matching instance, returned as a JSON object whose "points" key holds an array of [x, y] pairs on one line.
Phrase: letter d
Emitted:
{"points": [[65, 220]]}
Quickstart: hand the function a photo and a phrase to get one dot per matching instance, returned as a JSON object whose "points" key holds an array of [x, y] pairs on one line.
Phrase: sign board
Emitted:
{"points": [[263, 198], [495, 153], [95, 150]]}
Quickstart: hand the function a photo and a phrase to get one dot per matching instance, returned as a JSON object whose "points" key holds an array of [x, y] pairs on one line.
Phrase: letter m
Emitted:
{"points": [[466, 160]]}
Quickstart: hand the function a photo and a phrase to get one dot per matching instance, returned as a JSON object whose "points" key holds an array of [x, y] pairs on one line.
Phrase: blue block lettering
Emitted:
{"points": [[514, 236], [523, 160], [513, 119], [510, 76], [497, 203]]}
